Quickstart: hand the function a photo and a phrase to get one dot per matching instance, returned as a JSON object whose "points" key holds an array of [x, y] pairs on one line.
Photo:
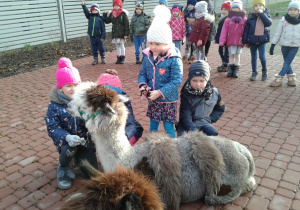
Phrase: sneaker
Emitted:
{"points": [[264, 75], [63, 180], [253, 76]]}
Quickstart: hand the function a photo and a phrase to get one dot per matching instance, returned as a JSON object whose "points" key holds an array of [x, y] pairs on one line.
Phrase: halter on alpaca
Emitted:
{"points": [[188, 168]]}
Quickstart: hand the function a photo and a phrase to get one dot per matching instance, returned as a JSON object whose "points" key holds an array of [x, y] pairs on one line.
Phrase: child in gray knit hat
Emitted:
{"points": [[201, 103]]}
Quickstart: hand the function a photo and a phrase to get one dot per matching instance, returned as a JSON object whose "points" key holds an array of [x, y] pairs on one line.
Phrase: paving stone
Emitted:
{"points": [[257, 202], [264, 192], [280, 203]]}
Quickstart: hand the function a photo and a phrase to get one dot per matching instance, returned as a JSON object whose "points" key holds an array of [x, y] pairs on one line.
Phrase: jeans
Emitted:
{"points": [[223, 52], [139, 42], [79, 153], [262, 56], [177, 44], [96, 45], [208, 129], [289, 54], [168, 126]]}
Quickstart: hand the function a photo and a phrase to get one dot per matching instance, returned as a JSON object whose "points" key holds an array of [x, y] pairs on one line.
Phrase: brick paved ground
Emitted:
{"points": [[264, 119]]}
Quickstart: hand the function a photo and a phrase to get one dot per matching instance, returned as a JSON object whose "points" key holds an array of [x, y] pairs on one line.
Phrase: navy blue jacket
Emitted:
{"points": [[196, 112], [133, 127], [249, 37], [219, 30], [96, 26]]}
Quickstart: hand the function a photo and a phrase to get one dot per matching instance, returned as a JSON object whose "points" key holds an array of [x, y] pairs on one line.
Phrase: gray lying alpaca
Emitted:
{"points": [[188, 168]]}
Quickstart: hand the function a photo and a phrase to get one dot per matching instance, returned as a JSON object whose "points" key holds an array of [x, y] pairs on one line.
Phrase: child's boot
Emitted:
{"points": [[277, 81], [185, 60], [230, 70], [264, 75], [103, 61], [122, 60], [118, 59], [63, 180], [236, 70], [137, 60], [291, 79], [95, 61], [192, 60], [253, 76], [223, 68]]}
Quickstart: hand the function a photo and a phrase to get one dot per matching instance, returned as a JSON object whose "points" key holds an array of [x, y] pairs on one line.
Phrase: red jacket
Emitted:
{"points": [[201, 29]]}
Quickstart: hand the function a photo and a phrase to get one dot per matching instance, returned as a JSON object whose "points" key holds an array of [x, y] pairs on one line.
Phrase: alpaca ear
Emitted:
{"points": [[123, 98], [110, 109]]}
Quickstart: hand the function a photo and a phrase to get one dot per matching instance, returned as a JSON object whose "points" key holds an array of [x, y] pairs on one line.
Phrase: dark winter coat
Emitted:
{"points": [[188, 14], [133, 127], [60, 123], [249, 37], [196, 112], [219, 30], [213, 25], [96, 26], [201, 29], [120, 25], [140, 24], [164, 76]]}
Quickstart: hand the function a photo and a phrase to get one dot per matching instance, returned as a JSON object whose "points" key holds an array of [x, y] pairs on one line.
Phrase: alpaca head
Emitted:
{"points": [[99, 106]]}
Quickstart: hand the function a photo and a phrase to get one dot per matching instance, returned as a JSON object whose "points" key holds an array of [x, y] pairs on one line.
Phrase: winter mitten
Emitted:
{"points": [[272, 49], [74, 140]]}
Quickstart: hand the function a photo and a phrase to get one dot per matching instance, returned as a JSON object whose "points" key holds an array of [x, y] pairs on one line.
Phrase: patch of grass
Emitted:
{"points": [[27, 47]]}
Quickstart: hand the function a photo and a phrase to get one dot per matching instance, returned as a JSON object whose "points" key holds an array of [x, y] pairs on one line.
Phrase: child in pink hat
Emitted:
{"points": [[133, 129], [69, 134]]}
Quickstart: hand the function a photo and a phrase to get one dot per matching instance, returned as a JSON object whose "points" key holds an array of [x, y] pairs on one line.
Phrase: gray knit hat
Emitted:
{"points": [[294, 4], [201, 6], [199, 68]]}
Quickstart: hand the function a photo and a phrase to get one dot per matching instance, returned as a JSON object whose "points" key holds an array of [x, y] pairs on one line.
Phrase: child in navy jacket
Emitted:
{"points": [[256, 35], [201, 103], [96, 30]]}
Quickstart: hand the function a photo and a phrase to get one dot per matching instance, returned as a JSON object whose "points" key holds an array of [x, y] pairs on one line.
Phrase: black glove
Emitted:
{"points": [[272, 49]]}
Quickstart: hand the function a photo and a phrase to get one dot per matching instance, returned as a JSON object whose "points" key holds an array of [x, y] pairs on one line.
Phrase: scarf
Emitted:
{"points": [[116, 13], [157, 58], [292, 20], [259, 27], [63, 98], [236, 16], [200, 15], [203, 93]]}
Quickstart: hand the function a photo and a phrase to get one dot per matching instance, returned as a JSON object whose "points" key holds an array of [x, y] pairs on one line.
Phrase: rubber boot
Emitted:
{"points": [[118, 59], [253, 76], [95, 61], [264, 75], [63, 176], [122, 59], [103, 61], [230, 70], [291, 79], [137, 60], [277, 81], [236, 70]]}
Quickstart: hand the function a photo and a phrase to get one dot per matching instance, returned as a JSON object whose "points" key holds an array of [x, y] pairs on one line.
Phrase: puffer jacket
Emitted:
{"points": [[188, 14], [177, 26], [96, 26], [120, 25], [287, 35], [196, 112], [60, 123], [201, 29], [249, 37], [139, 24], [165, 76], [232, 32]]}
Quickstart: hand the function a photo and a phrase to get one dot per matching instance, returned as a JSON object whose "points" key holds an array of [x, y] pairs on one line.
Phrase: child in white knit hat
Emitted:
{"points": [[161, 73]]}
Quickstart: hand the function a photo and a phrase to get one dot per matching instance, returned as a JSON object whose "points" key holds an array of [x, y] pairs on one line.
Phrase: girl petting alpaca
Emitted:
{"points": [[231, 35], [256, 35], [201, 103], [69, 134], [288, 36], [120, 28], [133, 128], [161, 73]]}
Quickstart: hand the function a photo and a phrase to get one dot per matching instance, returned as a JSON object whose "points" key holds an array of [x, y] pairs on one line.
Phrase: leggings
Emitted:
{"points": [[168, 126], [120, 49]]}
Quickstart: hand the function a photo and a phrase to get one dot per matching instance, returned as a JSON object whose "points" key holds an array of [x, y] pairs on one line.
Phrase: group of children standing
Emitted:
{"points": [[161, 71]]}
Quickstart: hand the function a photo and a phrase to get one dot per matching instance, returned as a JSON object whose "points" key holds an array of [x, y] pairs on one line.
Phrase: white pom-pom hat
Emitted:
{"points": [[159, 30]]}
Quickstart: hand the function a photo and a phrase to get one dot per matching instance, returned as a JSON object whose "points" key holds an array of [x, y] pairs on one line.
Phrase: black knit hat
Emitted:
{"points": [[199, 68]]}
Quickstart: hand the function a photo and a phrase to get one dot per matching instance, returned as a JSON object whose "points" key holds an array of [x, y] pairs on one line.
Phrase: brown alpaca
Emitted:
{"points": [[121, 189]]}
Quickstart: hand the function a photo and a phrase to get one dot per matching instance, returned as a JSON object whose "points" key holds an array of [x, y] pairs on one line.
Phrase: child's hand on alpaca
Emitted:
{"points": [[154, 95], [199, 43]]}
